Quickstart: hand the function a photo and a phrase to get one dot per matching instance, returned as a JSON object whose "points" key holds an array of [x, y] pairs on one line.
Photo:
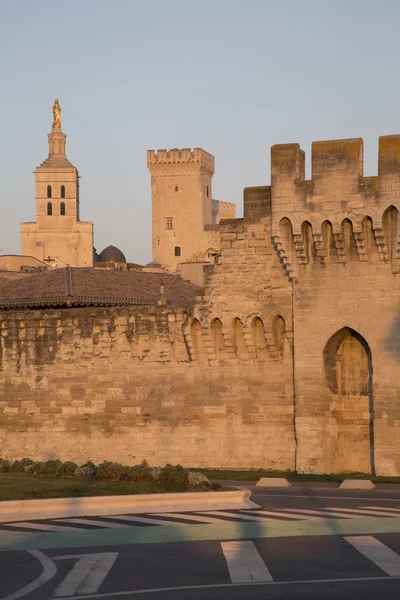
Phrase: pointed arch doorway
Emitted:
{"points": [[348, 373]]}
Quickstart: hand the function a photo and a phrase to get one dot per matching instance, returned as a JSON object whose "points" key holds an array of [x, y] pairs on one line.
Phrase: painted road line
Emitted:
{"points": [[263, 515], [87, 575], [198, 518], [241, 517], [384, 508], [91, 522], [244, 562], [323, 511], [385, 558], [138, 520], [41, 526], [5, 531], [49, 570], [367, 511]]}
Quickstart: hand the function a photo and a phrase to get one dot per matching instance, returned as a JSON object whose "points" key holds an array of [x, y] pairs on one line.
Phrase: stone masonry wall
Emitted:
{"points": [[127, 384], [338, 238]]}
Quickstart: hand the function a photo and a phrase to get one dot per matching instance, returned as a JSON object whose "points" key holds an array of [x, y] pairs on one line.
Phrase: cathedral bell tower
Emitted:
{"points": [[57, 235]]}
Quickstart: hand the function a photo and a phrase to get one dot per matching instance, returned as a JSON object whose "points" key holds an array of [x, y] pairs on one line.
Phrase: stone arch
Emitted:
{"points": [[196, 335], [308, 240], [369, 239], [279, 333], [330, 253], [350, 248], [239, 342], [209, 255], [390, 225], [286, 238], [348, 376], [258, 335], [217, 337]]}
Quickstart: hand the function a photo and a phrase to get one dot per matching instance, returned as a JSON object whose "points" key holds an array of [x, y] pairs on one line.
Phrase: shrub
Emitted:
{"points": [[21, 466], [198, 481], [68, 468], [111, 470], [88, 469], [175, 475], [141, 473], [5, 465]]}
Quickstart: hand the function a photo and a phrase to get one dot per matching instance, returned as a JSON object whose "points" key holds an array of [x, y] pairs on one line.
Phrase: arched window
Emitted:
{"points": [[369, 240], [197, 340], [349, 241], [390, 225], [308, 240], [279, 331], [217, 337], [49, 208], [62, 208], [329, 242], [286, 235], [49, 191], [63, 191], [177, 250], [176, 188], [258, 335], [238, 338]]}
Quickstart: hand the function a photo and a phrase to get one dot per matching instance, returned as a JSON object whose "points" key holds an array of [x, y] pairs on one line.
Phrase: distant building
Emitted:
{"points": [[185, 218], [58, 235]]}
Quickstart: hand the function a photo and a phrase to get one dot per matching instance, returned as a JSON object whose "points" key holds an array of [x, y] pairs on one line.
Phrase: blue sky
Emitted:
{"points": [[231, 76]]}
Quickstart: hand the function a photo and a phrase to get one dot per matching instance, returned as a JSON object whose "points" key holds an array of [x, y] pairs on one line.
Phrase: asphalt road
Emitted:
{"points": [[348, 558]]}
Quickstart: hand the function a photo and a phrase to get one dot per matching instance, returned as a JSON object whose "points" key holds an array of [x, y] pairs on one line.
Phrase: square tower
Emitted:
{"points": [[181, 189], [58, 234]]}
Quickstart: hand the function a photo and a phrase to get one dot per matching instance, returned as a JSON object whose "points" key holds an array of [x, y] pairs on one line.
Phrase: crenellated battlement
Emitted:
{"points": [[339, 214], [178, 160]]}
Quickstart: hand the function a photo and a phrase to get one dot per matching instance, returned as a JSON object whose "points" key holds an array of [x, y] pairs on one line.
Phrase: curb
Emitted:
{"points": [[357, 484], [272, 482], [57, 508]]}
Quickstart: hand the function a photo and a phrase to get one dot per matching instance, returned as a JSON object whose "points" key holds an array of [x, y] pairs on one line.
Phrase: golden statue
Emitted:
{"points": [[56, 116]]}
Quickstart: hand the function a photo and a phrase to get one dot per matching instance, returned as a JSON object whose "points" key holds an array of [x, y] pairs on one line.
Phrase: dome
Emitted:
{"points": [[112, 254]]}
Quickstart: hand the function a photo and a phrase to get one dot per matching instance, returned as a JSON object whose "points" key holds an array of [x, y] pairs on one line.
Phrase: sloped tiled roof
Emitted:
{"points": [[92, 287]]}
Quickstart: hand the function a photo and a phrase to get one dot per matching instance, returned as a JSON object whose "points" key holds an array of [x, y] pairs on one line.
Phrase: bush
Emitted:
{"points": [[21, 466], [112, 471], [175, 475], [5, 465], [198, 481], [89, 469], [68, 468], [141, 473]]}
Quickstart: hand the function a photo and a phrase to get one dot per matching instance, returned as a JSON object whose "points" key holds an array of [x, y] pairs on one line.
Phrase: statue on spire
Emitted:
{"points": [[56, 115]]}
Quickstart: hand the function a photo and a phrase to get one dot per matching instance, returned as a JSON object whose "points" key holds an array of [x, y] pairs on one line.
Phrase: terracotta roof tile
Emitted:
{"points": [[92, 287]]}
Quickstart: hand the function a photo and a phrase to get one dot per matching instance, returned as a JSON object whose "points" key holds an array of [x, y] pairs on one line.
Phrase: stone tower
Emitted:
{"points": [[182, 207], [57, 235]]}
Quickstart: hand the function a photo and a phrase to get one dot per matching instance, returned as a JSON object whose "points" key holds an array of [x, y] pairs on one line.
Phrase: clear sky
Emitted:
{"points": [[231, 76]]}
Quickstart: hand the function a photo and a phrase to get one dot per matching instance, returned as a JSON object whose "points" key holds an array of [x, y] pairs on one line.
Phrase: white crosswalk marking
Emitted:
{"points": [[91, 522], [366, 511], [385, 558], [244, 562], [149, 521], [41, 526], [193, 517], [87, 575], [264, 514], [382, 508], [322, 511]]}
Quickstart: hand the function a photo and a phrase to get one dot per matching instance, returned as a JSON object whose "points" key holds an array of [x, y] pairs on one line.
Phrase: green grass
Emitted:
{"points": [[29, 487], [255, 475]]}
